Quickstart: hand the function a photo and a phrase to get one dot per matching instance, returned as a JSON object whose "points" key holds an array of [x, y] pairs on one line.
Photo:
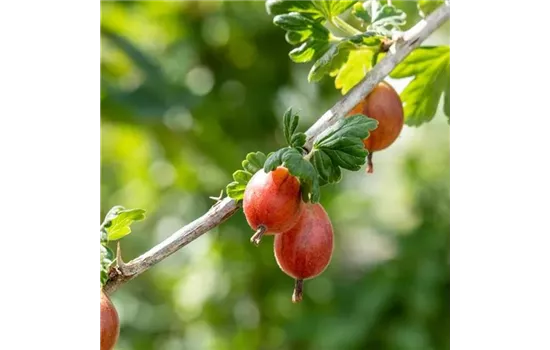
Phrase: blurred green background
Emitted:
{"points": [[187, 90]]}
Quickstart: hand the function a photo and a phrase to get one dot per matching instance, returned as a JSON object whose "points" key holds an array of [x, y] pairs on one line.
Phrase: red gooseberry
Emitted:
{"points": [[383, 104], [304, 251], [272, 202]]}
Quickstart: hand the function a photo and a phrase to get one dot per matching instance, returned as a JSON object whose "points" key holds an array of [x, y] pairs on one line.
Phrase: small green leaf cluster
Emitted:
{"points": [[346, 53], [381, 19], [115, 226], [254, 161], [340, 146], [338, 53]]}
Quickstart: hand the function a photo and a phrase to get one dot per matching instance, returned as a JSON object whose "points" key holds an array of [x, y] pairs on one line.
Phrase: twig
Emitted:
{"points": [[179, 239], [225, 208]]}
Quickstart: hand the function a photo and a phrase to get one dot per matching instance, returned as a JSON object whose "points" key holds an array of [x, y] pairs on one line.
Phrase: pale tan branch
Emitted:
{"points": [[124, 272], [223, 209]]}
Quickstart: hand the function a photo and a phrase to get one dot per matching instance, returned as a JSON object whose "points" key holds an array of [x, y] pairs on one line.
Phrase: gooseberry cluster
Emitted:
{"points": [[273, 202], [303, 242]]}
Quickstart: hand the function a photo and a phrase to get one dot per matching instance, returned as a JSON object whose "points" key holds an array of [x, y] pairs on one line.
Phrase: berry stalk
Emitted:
{"points": [[298, 291]]}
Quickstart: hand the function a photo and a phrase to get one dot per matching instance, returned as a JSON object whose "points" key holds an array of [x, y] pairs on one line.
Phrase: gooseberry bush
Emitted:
{"points": [[280, 192]]}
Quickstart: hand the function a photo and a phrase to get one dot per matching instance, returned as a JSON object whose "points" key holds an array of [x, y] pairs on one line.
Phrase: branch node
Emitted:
{"points": [[385, 45]]}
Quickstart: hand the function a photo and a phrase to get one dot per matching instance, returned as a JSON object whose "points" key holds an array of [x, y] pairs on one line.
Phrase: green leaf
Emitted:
{"points": [[332, 8], [290, 123], [328, 172], [235, 190], [292, 159], [242, 176], [306, 8], [297, 37], [430, 67], [298, 140], [311, 34], [295, 21], [316, 10], [336, 57], [355, 126], [254, 161], [300, 29], [330, 61], [388, 16], [343, 142], [351, 156], [379, 18], [360, 12], [425, 7], [275, 159], [118, 220], [355, 69], [310, 50], [341, 146]]}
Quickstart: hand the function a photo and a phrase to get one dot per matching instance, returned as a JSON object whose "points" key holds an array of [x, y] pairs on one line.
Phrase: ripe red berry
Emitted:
{"points": [[272, 202], [110, 324], [304, 251], [383, 104]]}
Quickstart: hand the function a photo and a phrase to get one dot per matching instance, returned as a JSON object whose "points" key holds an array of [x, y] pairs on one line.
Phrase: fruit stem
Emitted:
{"points": [[298, 291], [257, 237], [370, 166]]}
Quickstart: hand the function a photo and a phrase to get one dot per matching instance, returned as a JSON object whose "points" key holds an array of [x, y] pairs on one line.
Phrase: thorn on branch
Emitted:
{"points": [[120, 264], [217, 199]]}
